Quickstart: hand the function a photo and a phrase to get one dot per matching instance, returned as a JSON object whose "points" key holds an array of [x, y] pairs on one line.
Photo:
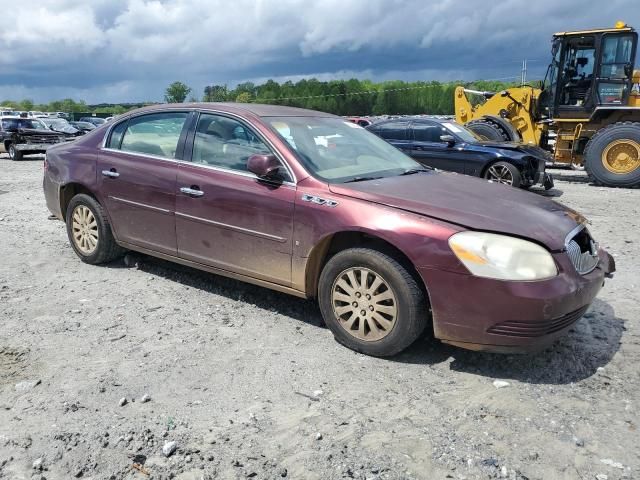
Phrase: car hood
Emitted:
{"points": [[35, 131], [473, 203], [524, 148], [68, 130]]}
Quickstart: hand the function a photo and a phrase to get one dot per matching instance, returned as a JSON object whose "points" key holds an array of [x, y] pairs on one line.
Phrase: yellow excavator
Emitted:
{"points": [[586, 112]]}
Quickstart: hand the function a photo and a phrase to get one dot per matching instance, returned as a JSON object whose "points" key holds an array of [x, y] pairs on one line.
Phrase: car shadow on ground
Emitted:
{"points": [[591, 343], [551, 193], [297, 308]]}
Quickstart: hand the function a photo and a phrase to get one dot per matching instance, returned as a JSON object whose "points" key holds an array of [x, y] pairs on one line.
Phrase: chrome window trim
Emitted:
{"points": [[183, 162], [268, 142], [126, 118]]}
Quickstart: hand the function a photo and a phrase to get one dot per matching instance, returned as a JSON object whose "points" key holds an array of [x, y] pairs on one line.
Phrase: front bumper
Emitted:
{"points": [[499, 316], [34, 147]]}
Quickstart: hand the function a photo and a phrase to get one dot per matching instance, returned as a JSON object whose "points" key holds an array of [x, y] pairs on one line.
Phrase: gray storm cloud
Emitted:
{"points": [[108, 50]]}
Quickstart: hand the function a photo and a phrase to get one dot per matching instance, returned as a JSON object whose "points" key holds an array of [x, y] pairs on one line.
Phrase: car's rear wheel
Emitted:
{"points": [[505, 173], [14, 153], [89, 231], [371, 302]]}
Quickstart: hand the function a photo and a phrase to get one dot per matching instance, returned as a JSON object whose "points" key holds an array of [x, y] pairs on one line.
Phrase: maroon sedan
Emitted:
{"points": [[313, 205]]}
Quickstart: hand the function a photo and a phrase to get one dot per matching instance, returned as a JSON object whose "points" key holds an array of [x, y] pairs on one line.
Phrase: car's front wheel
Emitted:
{"points": [[89, 231], [14, 153], [505, 173], [371, 302]]}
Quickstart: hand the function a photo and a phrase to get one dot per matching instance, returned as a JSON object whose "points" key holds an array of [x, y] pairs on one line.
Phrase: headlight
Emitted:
{"points": [[502, 257]]}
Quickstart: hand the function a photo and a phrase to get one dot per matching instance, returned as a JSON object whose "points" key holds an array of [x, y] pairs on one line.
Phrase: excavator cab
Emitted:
{"points": [[590, 69]]}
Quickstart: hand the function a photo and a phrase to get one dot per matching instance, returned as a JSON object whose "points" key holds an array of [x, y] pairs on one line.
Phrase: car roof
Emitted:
{"points": [[416, 120], [258, 109]]}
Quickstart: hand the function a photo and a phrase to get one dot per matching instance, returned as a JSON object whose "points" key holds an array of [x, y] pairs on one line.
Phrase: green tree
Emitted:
{"points": [[26, 104], [177, 92], [243, 97], [215, 93]]}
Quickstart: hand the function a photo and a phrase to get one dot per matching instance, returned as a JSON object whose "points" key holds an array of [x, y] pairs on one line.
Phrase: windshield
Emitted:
{"points": [[461, 132], [339, 151], [57, 123], [15, 123]]}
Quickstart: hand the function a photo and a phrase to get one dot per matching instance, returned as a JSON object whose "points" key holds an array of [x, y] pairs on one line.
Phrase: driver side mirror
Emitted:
{"points": [[264, 166], [449, 139]]}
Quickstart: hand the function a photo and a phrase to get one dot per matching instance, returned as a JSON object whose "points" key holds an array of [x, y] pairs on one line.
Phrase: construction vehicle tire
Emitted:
{"points": [[488, 130], [612, 155]]}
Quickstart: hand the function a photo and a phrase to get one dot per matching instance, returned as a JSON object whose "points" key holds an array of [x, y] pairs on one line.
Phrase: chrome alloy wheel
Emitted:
{"points": [[364, 304], [500, 174], [84, 229]]}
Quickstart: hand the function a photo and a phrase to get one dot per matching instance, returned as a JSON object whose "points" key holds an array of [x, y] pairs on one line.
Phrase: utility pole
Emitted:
{"points": [[523, 75]]}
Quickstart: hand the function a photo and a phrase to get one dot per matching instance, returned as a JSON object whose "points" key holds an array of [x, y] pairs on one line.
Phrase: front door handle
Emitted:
{"points": [[110, 173], [192, 191]]}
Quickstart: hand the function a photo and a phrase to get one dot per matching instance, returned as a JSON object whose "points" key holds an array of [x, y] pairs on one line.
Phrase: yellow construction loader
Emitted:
{"points": [[586, 112]]}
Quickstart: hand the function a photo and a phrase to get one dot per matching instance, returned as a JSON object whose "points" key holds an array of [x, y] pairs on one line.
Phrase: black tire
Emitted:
{"points": [[14, 154], [106, 249], [516, 176], [412, 314], [596, 146], [488, 130]]}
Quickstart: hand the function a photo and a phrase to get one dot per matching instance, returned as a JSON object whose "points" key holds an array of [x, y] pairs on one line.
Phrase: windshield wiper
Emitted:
{"points": [[361, 179], [411, 171]]}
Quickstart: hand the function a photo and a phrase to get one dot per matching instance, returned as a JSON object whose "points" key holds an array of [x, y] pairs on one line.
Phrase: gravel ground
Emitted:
{"points": [[101, 368]]}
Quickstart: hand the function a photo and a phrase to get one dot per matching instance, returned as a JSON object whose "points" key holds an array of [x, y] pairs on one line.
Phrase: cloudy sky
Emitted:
{"points": [[130, 50]]}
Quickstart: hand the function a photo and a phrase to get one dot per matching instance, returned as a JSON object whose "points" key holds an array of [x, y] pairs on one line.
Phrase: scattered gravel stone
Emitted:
{"points": [[283, 472], [318, 436], [602, 476], [38, 463], [501, 384], [26, 385], [145, 398], [579, 442], [123, 401], [169, 448], [611, 463]]}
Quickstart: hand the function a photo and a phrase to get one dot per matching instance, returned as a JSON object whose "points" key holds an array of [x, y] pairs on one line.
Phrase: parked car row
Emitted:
{"points": [[446, 145], [313, 205], [21, 136]]}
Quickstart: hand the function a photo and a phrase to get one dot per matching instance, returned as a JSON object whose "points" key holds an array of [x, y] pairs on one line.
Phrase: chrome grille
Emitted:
{"points": [[42, 139], [582, 251]]}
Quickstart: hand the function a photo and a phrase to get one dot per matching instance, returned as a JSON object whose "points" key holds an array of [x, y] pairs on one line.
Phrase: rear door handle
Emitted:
{"points": [[192, 191], [110, 173]]}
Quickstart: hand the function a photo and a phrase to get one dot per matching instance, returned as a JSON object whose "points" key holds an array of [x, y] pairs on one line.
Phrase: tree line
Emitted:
{"points": [[341, 97]]}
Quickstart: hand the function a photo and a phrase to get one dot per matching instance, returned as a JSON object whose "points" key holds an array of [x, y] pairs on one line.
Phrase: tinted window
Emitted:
{"points": [[616, 53], [428, 132], [224, 142], [393, 130], [116, 135], [9, 124], [155, 134]]}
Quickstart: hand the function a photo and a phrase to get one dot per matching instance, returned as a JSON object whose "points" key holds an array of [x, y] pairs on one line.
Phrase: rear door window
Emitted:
{"points": [[393, 130], [428, 132], [156, 134]]}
